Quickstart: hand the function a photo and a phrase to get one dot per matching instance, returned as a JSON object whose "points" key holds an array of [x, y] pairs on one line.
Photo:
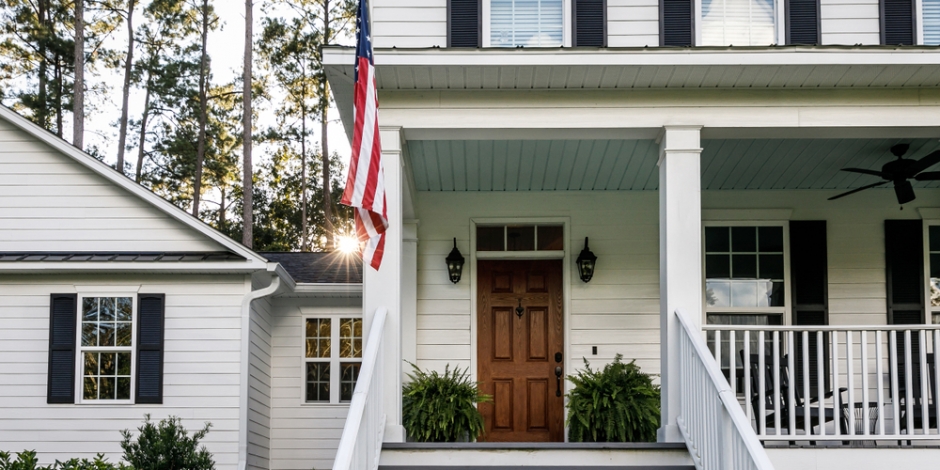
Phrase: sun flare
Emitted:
{"points": [[347, 244]]}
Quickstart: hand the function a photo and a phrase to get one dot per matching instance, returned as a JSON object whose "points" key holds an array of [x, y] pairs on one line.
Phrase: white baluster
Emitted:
{"points": [[807, 411], [908, 383], [791, 385], [761, 385], [748, 406], [733, 374], [879, 371], [850, 383], [864, 341], [820, 382], [836, 408], [924, 378], [776, 377], [893, 365]]}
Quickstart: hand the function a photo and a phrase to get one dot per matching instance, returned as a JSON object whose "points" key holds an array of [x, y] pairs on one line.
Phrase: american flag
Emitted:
{"points": [[365, 185]]}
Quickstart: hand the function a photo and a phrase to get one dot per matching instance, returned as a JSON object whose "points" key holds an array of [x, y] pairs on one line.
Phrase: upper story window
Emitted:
{"points": [[331, 372], [529, 23], [931, 22], [106, 347], [738, 22], [934, 280]]}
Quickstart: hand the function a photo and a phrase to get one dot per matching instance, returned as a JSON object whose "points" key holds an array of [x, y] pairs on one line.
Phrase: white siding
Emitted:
{"points": [[259, 385], [201, 367], [850, 22], [409, 23], [48, 202], [632, 23], [302, 436]]}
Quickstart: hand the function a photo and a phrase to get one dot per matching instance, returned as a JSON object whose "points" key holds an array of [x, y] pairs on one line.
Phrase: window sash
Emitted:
{"points": [[930, 16], [739, 22], [81, 349], [529, 23], [335, 360]]}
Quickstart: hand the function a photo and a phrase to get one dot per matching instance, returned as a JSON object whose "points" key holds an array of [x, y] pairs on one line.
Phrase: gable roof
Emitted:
{"points": [[95, 166], [319, 268]]}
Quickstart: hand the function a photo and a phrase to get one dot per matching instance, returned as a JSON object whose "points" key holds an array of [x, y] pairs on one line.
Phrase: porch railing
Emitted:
{"points": [[833, 383], [715, 429], [361, 442]]}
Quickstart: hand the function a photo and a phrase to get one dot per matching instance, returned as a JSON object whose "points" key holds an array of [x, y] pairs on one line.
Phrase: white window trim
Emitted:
{"points": [[780, 25], [334, 359], [565, 23], [786, 310], [930, 311], [81, 350]]}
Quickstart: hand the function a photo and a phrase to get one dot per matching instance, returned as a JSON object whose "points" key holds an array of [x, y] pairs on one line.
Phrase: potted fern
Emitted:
{"points": [[442, 407], [618, 403]]}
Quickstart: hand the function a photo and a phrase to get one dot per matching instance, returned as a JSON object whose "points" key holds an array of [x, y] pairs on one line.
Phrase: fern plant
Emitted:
{"points": [[618, 403], [442, 407]]}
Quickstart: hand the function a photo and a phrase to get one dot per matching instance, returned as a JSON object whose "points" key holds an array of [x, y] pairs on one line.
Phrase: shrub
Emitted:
{"points": [[442, 407], [617, 404], [166, 446], [27, 460]]}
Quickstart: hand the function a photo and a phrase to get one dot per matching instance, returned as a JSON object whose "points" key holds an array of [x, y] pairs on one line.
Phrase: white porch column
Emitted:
{"points": [[383, 288], [680, 257], [409, 295]]}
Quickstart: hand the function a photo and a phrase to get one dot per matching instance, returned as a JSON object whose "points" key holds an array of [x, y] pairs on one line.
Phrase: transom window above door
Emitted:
{"points": [[529, 23], [520, 237], [744, 275]]}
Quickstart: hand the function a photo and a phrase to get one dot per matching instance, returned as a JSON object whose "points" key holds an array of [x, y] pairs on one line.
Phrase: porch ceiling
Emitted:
{"points": [[606, 165]]}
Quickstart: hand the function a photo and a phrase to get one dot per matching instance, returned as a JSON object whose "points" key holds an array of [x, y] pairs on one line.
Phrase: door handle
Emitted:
{"points": [[558, 372]]}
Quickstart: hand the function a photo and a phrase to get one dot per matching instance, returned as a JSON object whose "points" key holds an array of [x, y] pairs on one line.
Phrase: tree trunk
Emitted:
{"points": [[303, 178], [203, 105], [324, 136], [57, 73], [78, 93], [247, 183], [42, 117], [143, 134], [128, 63], [222, 221]]}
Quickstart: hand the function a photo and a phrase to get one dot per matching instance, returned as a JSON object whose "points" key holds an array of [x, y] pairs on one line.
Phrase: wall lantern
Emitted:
{"points": [[454, 264], [586, 262]]}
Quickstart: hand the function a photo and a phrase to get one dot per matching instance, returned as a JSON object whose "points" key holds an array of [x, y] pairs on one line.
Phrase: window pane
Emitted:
{"points": [[743, 266], [123, 388], [125, 309], [106, 312], [551, 237], [530, 23], [490, 238], [738, 22], [90, 388], [771, 266], [935, 233], [318, 337], [124, 364], [108, 366], [778, 295], [348, 380], [931, 23], [91, 364], [106, 334], [743, 319], [717, 267], [717, 239], [718, 293], [107, 388], [744, 294], [318, 381], [350, 341], [744, 239], [124, 331], [89, 334], [770, 239], [520, 238], [90, 309]]}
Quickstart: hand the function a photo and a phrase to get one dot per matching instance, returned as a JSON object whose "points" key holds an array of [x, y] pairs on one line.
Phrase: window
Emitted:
{"points": [[931, 12], [739, 22], [328, 368], [529, 23], [934, 280], [520, 238], [744, 275], [106, 348]]}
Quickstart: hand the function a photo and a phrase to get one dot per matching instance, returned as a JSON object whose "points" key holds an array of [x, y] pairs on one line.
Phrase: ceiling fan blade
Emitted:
{"points": [[920, 165], [928, 176], [866, 172], [857, 190]]}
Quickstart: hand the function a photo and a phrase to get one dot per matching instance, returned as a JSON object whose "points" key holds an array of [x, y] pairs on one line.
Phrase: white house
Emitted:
{"points": [[697, 159]]}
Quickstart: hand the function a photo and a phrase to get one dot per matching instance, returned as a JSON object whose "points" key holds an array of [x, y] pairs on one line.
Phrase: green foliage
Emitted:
{"points": [[166, 446], [442, 407], [27, 460], [617, 404]]}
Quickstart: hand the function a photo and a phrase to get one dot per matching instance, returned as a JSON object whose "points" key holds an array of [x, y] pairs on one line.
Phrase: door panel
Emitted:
{"points": [[519, 332]]}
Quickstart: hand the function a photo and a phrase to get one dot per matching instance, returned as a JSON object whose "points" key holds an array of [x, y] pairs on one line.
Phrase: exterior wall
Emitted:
{"points": [[632, 23], [302, 436], [201, 367], [618, 311], [850, 22], [409, 23], [50, 202], [259, 384]]}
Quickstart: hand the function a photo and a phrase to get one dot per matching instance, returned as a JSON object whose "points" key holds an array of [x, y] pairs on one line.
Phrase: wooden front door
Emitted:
{"points": [[521, 341]]}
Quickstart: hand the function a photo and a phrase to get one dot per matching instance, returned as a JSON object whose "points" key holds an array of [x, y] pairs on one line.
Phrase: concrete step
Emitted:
{"points": [[534, 456]]}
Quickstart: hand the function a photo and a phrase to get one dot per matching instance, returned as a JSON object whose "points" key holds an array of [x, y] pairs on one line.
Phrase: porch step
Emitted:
{"points": [[534, 456]]}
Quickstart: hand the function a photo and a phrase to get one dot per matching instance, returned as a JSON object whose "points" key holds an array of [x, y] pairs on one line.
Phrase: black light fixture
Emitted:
{"points": [[586, 262], [455, 264]]}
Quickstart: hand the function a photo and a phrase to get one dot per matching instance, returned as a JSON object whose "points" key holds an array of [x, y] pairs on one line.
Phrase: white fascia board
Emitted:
{"points": [[233, 267], [702, 56], [254, 261], [351, 290]]}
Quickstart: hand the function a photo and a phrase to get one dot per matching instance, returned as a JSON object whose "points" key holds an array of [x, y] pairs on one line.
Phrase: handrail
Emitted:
{"points": [[819, 327], [716, 431], [361, 442]]}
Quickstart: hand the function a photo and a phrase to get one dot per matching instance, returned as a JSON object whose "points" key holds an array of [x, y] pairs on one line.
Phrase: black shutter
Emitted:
{"points": [[63, 309], [803, 22], [464, 23], [810, 285], [897, 22], [150, 319], [904, 260], [676, 22], [590, 23]]}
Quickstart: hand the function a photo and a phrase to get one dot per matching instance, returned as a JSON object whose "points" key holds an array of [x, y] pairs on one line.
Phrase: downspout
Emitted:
{"points": [[245, 360]]}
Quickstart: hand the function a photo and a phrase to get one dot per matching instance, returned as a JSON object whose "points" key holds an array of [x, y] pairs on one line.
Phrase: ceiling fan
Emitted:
{"points": [[899, 172]]}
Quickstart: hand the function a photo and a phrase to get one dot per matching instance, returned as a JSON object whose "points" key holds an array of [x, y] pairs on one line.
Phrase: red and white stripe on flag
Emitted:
{"points": [[365, 185]]}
